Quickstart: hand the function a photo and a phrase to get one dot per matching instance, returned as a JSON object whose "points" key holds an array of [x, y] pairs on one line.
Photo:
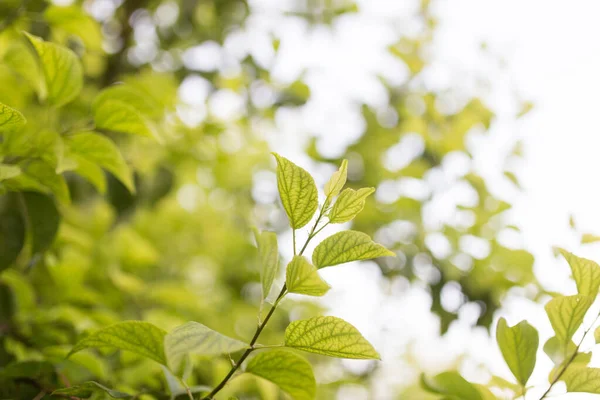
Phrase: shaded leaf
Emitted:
{"points": [[139, 337], [10, 118], [298, 192], [292, 373], [268, 256], [43, 218], [349, 204], [451, 384], [518, 345], [566, 315], [585, 272], [88, 389], [12, 237], [347, 246], [303, 278], [329, 336]]}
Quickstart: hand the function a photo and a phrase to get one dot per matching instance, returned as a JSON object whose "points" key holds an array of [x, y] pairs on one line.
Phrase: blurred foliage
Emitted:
{"points": [[161, 230]]}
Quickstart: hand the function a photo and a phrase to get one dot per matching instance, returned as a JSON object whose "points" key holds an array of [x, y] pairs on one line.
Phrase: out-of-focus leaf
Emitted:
{"points": [[12, 237], [268, 257], [452, 385], [87, 390], [43, 218], [119, 116], [8, 171], [589, 238], [10, 118]]}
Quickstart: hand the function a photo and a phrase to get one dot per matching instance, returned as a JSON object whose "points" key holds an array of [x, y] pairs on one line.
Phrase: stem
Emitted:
{"points": [[570, 360], [294, 239]]}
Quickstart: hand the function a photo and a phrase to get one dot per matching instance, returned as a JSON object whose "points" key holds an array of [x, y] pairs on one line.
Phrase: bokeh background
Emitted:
{"points": [[474, 120]]}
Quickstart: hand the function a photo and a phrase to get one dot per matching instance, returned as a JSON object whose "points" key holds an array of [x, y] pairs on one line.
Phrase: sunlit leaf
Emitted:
{"points": [[121, 117], [43, 218], [518, 345], [144, 104], [558, 351], [195, 338], [566, 315], [8, 171], [297, 191], [10, 118], [587, 238], [88, 389], [329, 336], [292, 373], [334, 186], [268, 257], [303, 278], [349, 204], [582, 379], [75, 21], [63, 74], [585, 272], [138, 337], [451, 384], [347, 246]]}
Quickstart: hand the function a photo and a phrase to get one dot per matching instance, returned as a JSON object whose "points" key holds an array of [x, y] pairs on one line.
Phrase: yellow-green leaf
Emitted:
{"points": [[8, 171], [330, 336], [558, 351], [589, 238], [585, 272], [582, 379], [195, 338], [518, 345], [268, 256], [139, 337], [347, 246], [128, 94], [292, 373], [62, 70], [349, 204], [566, 315], [88, 389], [10, 118], [298, 192], [119, 116], [98, 149], [303, 278], [451, 384], [334, 186]]}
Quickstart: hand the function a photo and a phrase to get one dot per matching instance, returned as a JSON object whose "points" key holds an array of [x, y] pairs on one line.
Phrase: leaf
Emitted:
{"points": [[195, 338], [75, 21], [8, 171], [12, 237], [302, 278], [589, 238], [329, 336], [268, 256], [298, 192], [347, 246], [585, 272], [558, 351], [518, 345], [292, 373], [62, 70], [43, 218], [582, 379], [566, 315], [43, 173], [349, 204], [87, 390], [176, 389], [334, 186], [10, 119], [451, 384], [92, 172], [119, 116], [144, 104], [92, 147], [139, 337]]}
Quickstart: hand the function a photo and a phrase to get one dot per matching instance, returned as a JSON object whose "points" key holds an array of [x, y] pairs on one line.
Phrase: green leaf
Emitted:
{"points": [[62, 70], [329, 336], [92, 172], [349, 204], [92, 147], [8, 171], [195, 338], [43, 218], [42, 173], [176, 389], [585, 272], [10, 118], [558, 351], [566, 315], [451, 384], [582, 379], [139, 337], [589, 238], [268, 256], [292, 373], [334, 186], [87, 389], [75, 21], [302, 278], [12, 237], [144, 104], [347, 246], [518, 345], [119, 116], [298, 192]]}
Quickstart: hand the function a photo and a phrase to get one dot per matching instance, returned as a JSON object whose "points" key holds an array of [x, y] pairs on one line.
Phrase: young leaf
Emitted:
{"points": [[292, 373], [518, 345], [349, 204], [63, 74], [268, 256], [88, 389], [566, 315], [119, 116], [139, 337], [44, 219], [298, 192], [195, 338], [585, 272], [10, 118], [329, 336], [92, 147], [451, 384], [582, 379], [347, 246], [8, 171], [337, 181], [302, 278]]}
